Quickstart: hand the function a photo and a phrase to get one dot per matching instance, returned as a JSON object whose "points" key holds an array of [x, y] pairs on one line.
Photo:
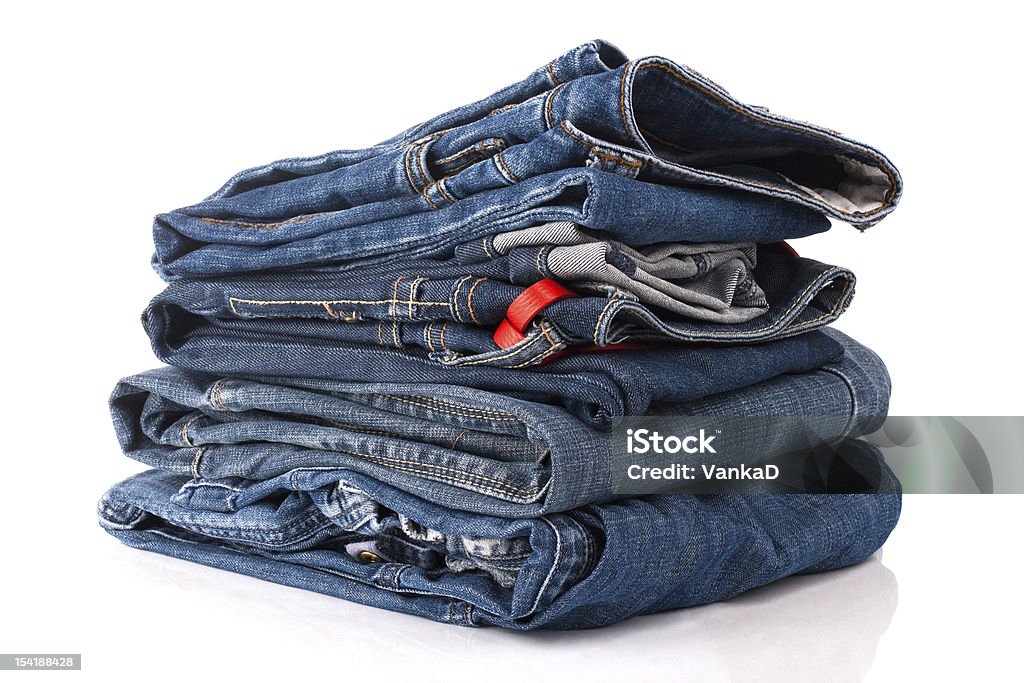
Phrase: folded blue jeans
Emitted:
{"points": [[458, 447], [595, 387], [269, 491], [645, 151], [448, 312]]}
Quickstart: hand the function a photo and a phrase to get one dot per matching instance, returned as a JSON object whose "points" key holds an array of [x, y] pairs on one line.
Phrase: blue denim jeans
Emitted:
{"points": [[446, 313], [455, 446], [596, 387], [644, 151], [403, 497]]}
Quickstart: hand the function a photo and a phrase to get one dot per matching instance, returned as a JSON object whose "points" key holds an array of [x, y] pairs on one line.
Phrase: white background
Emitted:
{"points": [[113, 112]]}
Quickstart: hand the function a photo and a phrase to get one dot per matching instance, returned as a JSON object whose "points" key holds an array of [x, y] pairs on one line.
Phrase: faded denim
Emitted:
{"points": [[455, 446], [267, 480], [645, 151]]}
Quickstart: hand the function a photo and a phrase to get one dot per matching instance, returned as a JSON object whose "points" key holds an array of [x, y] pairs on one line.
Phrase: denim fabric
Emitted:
{"points": [[648, 151], [712, 282], [360, 539], [594, 386], [457, 447], [339, 417], [425, 319]]}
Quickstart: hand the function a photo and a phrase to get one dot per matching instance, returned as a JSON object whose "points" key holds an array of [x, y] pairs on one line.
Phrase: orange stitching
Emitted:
{"points": [[329, 311], [469, 300], [480, 147], [428, 334], [394, 333], [549, 117], [443, 193], [432, 205], [380, 333], [465, 164], [552, 74], [419, 157], [574, 136], [501, 160], [622, 99], [444, 326], [613, 157], [787, 125], [544, 331]]}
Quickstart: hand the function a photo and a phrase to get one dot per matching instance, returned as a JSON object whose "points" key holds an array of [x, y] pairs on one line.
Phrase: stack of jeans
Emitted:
{"points": [[393, 371]]}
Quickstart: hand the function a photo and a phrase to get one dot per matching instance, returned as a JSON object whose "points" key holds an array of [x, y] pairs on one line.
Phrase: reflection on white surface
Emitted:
{"points": [[815, 627]]}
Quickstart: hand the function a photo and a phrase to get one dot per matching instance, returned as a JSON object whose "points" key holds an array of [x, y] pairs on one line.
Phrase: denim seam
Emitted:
{"points": [[614, 157], [394, 296], [442, 187], [482, 412], [487, 248], [421, 152], [233, 301], [551, 74], [216, 397], [802, 129], [538, 358], [778, 322], [512, 351], [184, 430], [469, 300], [480, 148], [438, 185], [268, 538], [413, 286], [854, 404], [179, 539], [106, 510], [215, 484], [466, 478], [428, 335], [263, 226], [455, 297], [500, 161], [549, 119], [424, 193], [194, 466], [554, 565]]}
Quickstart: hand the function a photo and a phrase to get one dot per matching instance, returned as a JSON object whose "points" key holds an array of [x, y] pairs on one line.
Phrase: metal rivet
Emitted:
{"points": [[367, 556]]}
